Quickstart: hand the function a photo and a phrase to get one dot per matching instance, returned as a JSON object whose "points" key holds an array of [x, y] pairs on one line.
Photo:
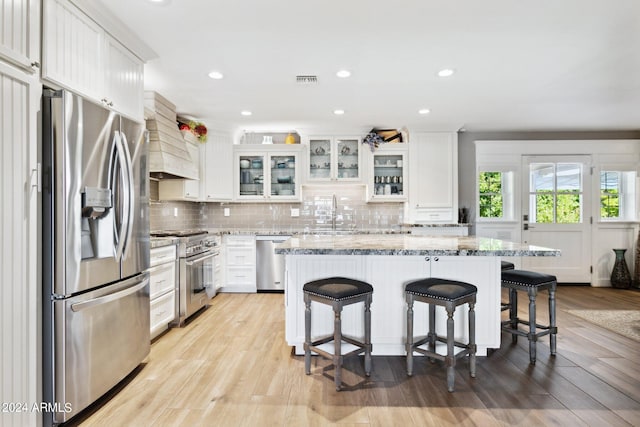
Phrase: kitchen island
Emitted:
{"points": [[388, 262]]}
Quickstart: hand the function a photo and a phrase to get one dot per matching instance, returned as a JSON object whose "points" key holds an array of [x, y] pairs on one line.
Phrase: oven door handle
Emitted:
{"points": [[198, 260]]}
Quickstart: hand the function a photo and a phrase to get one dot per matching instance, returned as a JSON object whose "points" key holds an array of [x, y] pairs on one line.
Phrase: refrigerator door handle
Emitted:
{"points": [[130, 193], [108, 298], [121, 163]]}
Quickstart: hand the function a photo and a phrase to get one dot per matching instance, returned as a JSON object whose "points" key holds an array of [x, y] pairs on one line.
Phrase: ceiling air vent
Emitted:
{"points": [[307, 80]]}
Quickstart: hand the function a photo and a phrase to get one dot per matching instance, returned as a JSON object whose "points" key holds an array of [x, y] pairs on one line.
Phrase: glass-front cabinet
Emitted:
{"points": [[334, 159], [387, 179], [266, 174]]}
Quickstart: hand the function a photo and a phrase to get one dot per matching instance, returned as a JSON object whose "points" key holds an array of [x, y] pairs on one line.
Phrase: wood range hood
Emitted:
{"points": [[169, 155]]}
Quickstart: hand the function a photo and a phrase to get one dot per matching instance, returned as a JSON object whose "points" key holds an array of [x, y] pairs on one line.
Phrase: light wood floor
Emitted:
{"points": [[232, 367]]}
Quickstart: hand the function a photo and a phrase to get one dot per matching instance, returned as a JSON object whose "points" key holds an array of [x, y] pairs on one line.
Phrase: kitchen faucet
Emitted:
{"points": [[334, 209]]}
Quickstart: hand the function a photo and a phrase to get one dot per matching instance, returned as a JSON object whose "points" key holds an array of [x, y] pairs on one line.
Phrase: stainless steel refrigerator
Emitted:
{"points": [[95, 251]]}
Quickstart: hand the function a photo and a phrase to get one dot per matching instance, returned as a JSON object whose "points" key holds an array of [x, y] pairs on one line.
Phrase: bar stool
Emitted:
{"points": [[532, 283], [337, 292], [449, 294], [506, 265]]}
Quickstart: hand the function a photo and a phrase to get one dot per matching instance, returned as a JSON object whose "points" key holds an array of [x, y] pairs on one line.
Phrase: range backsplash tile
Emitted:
{"points": [[352, 212]]}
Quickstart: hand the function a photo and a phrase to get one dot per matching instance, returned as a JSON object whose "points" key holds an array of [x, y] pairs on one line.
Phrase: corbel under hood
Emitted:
{"points": [[169, 156]]}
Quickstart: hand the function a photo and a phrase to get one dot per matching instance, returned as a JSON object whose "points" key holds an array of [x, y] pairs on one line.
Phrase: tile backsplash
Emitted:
{"points": [[315, 212]]}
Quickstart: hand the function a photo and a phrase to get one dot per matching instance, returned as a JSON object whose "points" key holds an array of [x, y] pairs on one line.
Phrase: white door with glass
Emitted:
{"points": [[557, 214]]}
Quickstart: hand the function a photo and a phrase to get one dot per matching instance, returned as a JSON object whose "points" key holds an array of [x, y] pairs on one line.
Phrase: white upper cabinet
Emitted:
{"points": [[20, 33], [334, 159], [216, 168], [433, 174], [387, 173], [73, 49], [124, 79], [79, 55], [267, 172]]}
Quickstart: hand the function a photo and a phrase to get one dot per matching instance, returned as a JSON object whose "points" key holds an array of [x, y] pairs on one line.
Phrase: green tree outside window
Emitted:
{"points": [[556, 193], [490, 194], [609, 194]]}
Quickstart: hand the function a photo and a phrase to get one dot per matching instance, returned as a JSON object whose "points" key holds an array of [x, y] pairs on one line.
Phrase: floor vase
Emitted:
{"points": [[620, 276]]}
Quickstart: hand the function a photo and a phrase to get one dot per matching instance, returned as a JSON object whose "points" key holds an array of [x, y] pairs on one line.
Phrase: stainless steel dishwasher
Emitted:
{"points": [[269, 266]]}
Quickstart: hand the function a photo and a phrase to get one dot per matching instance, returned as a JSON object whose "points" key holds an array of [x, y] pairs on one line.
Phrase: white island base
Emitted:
{"points": [[388, 274]]}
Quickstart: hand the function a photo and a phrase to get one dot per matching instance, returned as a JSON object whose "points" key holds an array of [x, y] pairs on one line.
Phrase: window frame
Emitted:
{"points": [[627, 192], [555, 192], [508, 193]]}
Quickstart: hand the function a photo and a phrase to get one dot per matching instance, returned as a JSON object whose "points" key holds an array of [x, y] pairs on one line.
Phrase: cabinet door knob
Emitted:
{"points": [[436, 259], [427, 258], [35, 64]]}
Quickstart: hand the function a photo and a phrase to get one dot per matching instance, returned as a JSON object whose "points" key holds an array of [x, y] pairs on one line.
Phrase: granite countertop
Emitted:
{"points": [[305, 232], [393, 244], [434, 225]]}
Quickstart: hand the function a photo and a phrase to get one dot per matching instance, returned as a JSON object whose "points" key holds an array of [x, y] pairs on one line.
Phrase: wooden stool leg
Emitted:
{"points": [[307, 334], [409, 346], [367, 336], [432, 330], [513, 313], [532, 325], [450, 361], [552, 319], [472, 339], [337, 336]]}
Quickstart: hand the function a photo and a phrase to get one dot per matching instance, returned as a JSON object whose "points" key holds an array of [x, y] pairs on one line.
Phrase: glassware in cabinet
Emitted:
{"points": [[320, 159], [283, 175], [251, 177], [389, 181], [348, 159], [332, 158]]}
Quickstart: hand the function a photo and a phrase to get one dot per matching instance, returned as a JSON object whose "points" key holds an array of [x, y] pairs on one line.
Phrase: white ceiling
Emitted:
{"points": [[520, 65]]}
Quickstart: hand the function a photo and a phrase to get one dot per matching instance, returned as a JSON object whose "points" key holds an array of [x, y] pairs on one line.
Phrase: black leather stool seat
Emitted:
{"points": [[337, 288], [506, 265], [524, 278], [443, 289], [530, 282], [448, 294]]}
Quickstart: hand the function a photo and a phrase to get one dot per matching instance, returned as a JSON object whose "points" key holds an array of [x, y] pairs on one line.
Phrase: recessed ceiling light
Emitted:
{"points": [[338, 112], [246, 113], [217, 75], [446, 72], [343, 74], [160, 2], [424, 111]]}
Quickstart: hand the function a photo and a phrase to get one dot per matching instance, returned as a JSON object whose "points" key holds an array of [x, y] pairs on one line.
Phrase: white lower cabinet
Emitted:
{"points": [[240, 264], [162, 288], [388, 274], [163, 312]]}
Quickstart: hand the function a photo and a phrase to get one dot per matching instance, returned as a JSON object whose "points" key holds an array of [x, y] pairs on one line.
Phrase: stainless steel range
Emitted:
{"points": [[198, 254]]}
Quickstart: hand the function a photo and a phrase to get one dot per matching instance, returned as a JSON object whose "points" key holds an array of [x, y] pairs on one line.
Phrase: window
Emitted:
{"points": [[490, 194], [609, 194], [555, 193], [617, 195], [495, 193]]}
